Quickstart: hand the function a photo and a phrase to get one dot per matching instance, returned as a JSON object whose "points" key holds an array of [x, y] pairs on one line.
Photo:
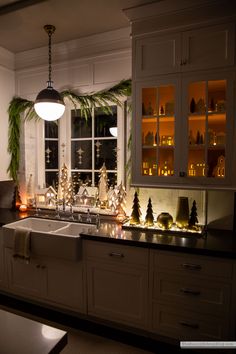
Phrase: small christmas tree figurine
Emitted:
{"points": [[193, 220], [149, 215], [16, 202], [136, 213], [29, 191], [69, 195], [63, 182], [102, 187]]}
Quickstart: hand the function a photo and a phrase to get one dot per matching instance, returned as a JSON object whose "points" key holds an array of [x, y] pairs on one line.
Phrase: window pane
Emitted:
{"points": [[80, 178], [106, 151], [80, 127], [81, 155], [51, 130], [103, 122], [51, 154], [51, 179], [111, 178]]}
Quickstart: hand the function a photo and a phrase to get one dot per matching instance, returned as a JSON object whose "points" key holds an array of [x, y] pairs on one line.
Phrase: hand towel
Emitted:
{"points": [[22, 243]]}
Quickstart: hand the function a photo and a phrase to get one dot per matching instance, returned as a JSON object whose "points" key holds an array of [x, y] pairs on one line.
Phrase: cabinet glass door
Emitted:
{"points": [[158, 131], [207, 128]]}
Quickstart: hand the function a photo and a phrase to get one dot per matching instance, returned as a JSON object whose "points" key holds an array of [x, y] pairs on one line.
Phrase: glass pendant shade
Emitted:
{"points": [[49, 105], [113, 131]]}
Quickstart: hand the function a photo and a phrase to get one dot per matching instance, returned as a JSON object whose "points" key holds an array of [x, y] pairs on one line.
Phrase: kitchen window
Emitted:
{"points": [[84, 145]]}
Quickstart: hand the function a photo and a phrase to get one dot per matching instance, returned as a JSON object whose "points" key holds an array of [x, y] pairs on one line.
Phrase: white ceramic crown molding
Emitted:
{"points": [[75, 49]]}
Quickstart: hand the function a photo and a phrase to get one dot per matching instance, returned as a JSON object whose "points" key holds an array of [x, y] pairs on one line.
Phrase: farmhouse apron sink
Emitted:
{"points": [[51, 238]]}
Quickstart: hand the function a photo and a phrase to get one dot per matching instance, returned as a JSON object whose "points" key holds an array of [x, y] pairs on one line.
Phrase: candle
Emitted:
{"points": [[23, 208]]}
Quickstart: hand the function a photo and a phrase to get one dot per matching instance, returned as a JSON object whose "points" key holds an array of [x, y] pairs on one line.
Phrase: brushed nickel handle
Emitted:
{"points": [[190, 291], [189, 324], [191, 266], [116, 254]]}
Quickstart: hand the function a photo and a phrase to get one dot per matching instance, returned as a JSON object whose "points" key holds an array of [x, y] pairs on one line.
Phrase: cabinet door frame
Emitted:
{"points": [[209, 182], [226, 51], [137, 177], [37, 271], [140, 319], [170, 41]]}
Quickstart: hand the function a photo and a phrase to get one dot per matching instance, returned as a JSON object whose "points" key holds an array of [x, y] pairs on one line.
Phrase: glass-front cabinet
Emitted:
{"points": [[158, 130], [207, 129], [182, 132]]}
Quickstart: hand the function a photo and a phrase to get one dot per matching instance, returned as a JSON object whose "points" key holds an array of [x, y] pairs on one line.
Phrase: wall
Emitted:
{"points": [[7, 91], [91, 64]]}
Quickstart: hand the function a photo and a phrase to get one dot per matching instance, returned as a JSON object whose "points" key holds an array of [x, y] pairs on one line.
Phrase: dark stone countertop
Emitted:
{"points": [[217, 243]]}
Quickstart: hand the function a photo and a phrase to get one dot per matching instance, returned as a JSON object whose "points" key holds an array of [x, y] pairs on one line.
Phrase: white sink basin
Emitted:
{"points": [[53, 238], [74, 230], [40, 225]]}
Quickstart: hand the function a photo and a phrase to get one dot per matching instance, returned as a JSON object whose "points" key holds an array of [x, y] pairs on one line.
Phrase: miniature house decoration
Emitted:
{"points": [[86, 196], [46, 196]]}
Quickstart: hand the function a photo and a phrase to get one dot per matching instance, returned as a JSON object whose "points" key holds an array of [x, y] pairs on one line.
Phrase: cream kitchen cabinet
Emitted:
{"points": [[183, 73], [191, 296], [50, 280], [198, 49], [66, 285], [117, 281], [29, 279]]}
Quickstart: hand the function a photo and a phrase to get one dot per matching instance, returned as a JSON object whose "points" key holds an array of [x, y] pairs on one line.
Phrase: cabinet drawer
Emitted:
{"points": [[193, 264], [207, 296], [117, 253], [185, 325]]}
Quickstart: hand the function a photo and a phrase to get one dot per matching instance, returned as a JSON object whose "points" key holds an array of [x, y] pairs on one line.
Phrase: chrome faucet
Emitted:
{"points": [[88, 219], [57, 216], [98, 221], [71, 212], [63, 204]]}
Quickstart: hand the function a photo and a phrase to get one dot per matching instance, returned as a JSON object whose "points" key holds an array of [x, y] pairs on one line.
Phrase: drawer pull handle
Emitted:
{"points": [[189, 324], [191, 266], [116, 254], [190, 291]]}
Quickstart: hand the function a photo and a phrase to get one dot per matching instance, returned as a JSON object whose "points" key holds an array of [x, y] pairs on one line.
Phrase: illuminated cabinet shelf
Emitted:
{"points": [[184, 136]]}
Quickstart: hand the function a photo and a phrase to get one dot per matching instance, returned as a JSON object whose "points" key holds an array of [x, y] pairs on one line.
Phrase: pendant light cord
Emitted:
{"points": [[50, 29], [49, 59]]}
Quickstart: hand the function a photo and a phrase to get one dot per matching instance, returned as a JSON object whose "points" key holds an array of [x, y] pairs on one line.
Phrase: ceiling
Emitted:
{"points": [[22, 21]]}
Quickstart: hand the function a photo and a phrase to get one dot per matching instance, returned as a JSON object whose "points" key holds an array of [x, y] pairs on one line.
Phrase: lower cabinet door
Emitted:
{"points": [[66, 285], [186, 324], [28, 279], [117, 293]]}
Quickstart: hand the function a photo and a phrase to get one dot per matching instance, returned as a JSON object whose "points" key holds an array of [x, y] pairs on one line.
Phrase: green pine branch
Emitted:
{"points": [[22, 108]]}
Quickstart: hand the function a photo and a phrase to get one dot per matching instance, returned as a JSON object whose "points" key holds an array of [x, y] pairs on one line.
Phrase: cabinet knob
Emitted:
{"points": [[116, 254], [191, 266], [190, 291], [189, 324]]}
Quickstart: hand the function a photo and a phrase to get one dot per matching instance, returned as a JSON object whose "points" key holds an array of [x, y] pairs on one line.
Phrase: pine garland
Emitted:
{"points": [[86, 103]]}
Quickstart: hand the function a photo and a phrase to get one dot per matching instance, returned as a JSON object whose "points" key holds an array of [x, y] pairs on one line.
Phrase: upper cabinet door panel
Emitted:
{"points": [[208, 48], [157, 55]]}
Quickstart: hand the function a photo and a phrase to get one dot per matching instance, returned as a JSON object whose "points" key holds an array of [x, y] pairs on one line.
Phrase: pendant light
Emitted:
{"points": [[49, 104]]}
